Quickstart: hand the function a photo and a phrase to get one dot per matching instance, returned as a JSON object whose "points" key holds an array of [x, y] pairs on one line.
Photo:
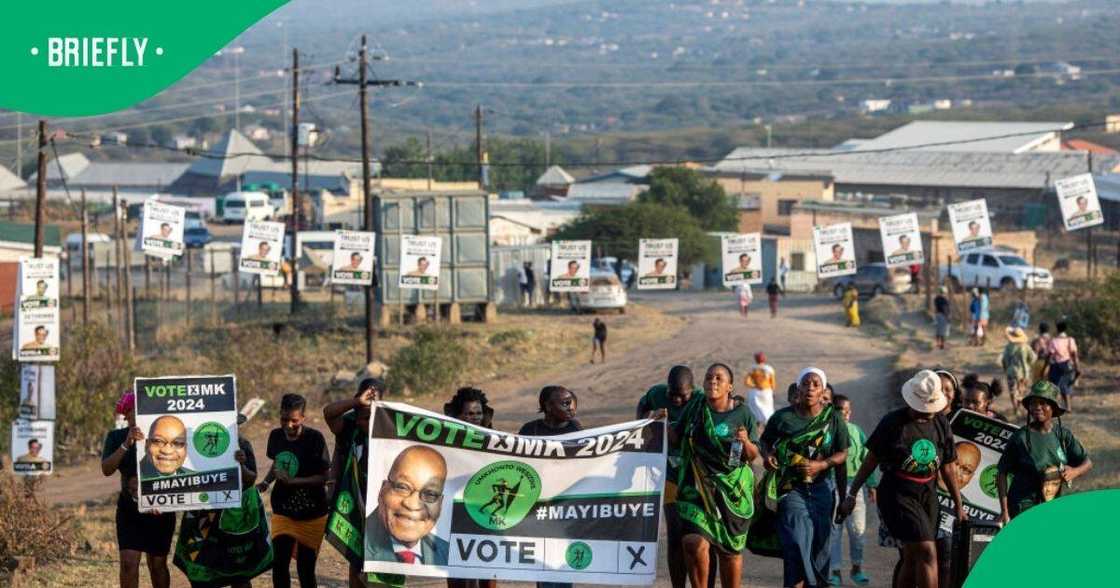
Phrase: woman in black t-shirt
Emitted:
{"points": [[911, 446], [559, 407]]}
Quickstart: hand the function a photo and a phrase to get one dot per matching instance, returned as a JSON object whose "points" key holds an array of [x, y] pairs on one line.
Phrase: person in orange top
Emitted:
{"points": [[761, 383]]}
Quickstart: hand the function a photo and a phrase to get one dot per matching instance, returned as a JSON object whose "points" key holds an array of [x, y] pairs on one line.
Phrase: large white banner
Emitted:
{"points": [[981, 441], [190, 435], [742, 259], [836, 250], [1081, 208], [352, 262], [262, 244], [162, 229], [657, 264], [449, 499], [36, 328], [972, 228], [570, 268], [420, 262], [902, 240]]}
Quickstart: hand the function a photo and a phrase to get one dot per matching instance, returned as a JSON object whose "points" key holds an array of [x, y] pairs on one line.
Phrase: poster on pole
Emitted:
{"points": [[1077, 196], [742, 259], [972, 228], [190, 436], [981, 441], [420, 262], [162, 229], [36, 328], [32, 447], [657, 264], [902, 240], [262, 244], [835, 249], [36, 391], [352, 262], [583, 507], [570, 267]]}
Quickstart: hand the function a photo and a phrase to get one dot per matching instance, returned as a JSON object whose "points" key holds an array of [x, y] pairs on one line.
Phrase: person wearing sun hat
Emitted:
{"points": [[1041, 458], [1016, 362], [911, 446]]}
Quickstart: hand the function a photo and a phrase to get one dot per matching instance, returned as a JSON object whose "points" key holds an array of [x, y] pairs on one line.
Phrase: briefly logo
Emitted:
{"points": [[499, 495], [988, 481], [345, 502], [287, 461], [578, 555], [211, 439]]}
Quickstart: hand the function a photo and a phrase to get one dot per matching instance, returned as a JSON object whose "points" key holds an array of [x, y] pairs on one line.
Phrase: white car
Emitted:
{"points": [[606, 293], [995, 268], [238, 207]]}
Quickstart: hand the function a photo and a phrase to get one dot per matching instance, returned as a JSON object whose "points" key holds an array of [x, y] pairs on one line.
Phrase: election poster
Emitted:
{"points": [[981, 441], [162, 229], [32, 447], [902, 240], [972, 229], [262, 244], [352, 262], [38, 282], [836, 250], [36, 326], [742, 259], [190, 436], [570, 270], [657, 264], [1081, 208], [420, 262], [36, 391], [449, 499]]}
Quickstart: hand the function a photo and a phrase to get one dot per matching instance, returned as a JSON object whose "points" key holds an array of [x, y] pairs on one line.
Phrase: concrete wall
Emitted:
{"points": [[769, 193]]}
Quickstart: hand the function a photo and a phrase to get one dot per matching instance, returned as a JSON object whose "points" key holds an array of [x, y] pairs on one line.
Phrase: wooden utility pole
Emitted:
{"points": [[118, 244], [85, 260], [429, 160], [190, 256], [297, 208], [478, 144], [129, 294], [41, 190]]}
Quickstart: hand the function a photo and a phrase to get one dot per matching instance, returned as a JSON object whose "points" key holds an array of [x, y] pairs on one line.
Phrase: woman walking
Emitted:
{"points": [[773, 291], [850, 301], [1016, 361], [803, 444], [761, 384], [1065, 365], [745, 296]]}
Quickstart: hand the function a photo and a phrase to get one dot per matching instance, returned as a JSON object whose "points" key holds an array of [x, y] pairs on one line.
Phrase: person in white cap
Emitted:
{"points": [[911, 446]]}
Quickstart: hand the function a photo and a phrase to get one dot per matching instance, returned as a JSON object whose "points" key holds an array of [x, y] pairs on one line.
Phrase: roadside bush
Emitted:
{"points": [[432, 362], [1093, 314], [510, 339], [30, 529]]}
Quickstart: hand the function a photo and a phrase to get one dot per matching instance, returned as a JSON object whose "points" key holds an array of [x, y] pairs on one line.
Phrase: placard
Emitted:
{"points": [[570, 270], [742, 259], [902, 240], [32, 447], [36, 328], [162, 228], [36, 391], [1077, 196], [420, 262], [980, 440], [972, 229], [836, 250], [352, 262], [262, 245], [657, 264], [190, 435]]}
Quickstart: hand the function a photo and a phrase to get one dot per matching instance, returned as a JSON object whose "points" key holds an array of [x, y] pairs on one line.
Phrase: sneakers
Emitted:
{"points": [[860, 578], [834, 579]]}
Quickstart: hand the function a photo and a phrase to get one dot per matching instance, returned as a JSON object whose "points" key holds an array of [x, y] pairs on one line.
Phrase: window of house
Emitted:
{"points": [[785, 207], [797, 262]]}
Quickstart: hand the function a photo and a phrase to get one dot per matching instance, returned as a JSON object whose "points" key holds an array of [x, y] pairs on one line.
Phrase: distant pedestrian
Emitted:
{"points": [[744, 295], [916, 277], [761, 383], [1041, 347], [985, 316], [525, 280], [1065, 365], [599, 340], [1016, 361], [783, 270], [773, 292], [850, 301], [856, 523], [941, 314], [976, 330], [1021, 315]]}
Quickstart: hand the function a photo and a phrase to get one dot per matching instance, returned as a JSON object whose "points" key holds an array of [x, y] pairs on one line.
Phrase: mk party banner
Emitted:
{"points": [[742, 259], [980, 442], [190, 436], [835, 249], [36, 391], [570, 269], [902, 240], [36, 328], [1081, 208], [972, 229], [420, 262], [449, 499], [352, 262], [657, 264], [262, 244], [162, 229], [32, 447]]}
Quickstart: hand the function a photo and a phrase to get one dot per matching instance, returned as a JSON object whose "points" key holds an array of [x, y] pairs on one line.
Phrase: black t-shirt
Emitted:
{"points": [[600, 330], [127, 469], [941, 305], [306, 456], [773, 289], [914, 448], [538, 428]]}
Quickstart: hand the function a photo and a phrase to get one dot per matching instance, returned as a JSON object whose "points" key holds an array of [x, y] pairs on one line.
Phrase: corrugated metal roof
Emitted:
{"points": [[231, 157], [25, 233], [128, 173], [10, 181], [965, 136], [555, 176], [604, 192], [72, 164]]}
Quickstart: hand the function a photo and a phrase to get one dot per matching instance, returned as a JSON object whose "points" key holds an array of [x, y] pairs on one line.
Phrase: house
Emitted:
{"points": [[18, 240], [1088, 147], [605, 193], [766, 197], [74, 172], [221, 169], [181, 142], [114, 138], [554, 182], [526, 222], [258, 133], [972, 136], [873, 106]]}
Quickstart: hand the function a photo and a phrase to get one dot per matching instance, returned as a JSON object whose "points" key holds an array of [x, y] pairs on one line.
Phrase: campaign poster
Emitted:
{"points": [[38, 282], [902, 240], [36, 391], [836, 250], [571, 266], [420, 262], [37, 322], [980, 440], [190, 436], [972, 228], [449, 499], [162, 229], [742, 259], [657, 264], [352, 262], [262, 244], [1081, 208], [32, 447]]}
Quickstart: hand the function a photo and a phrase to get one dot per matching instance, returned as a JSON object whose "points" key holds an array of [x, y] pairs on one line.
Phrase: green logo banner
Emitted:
{"points": [[80, 58]]}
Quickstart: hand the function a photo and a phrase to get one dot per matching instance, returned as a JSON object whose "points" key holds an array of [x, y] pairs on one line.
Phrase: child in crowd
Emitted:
{"points": [[856, 524]]}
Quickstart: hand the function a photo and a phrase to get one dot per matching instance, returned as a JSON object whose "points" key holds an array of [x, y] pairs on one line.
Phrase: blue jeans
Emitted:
{"points": [[805, 530], [856, 524]]}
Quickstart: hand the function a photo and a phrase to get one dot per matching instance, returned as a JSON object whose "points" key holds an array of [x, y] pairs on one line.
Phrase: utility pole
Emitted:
{"points": [[41, 189], [296, 207], [85, 262], [19, 145], [129, 317], [429, 159], [478, 144], [547, 149]]}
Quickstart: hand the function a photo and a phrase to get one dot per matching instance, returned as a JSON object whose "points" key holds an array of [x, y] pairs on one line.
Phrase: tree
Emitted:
{"points": [[702, 198], [617, 229]]}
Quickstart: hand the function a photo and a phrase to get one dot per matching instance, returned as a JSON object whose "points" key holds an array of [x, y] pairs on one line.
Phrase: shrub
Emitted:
{"points": [[1093, 314], [433, 361], [510, 339], [28, 528]]}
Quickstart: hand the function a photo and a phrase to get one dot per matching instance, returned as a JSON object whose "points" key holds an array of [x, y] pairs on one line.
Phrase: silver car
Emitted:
{"points": [[874, 279], [606, 293]]}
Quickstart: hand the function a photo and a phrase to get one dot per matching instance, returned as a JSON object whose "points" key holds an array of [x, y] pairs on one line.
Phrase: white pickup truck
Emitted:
{"points": [[994, 268]]}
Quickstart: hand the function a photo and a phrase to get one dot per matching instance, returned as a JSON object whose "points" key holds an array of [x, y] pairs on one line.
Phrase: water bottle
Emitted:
{"points": [[735, 458]]}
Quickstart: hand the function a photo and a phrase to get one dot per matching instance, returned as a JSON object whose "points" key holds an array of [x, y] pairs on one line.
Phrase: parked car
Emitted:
{"points": [[606, 293], [238, 207], [873, 279], [997, 268], [610, 264], [197, 236]]}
